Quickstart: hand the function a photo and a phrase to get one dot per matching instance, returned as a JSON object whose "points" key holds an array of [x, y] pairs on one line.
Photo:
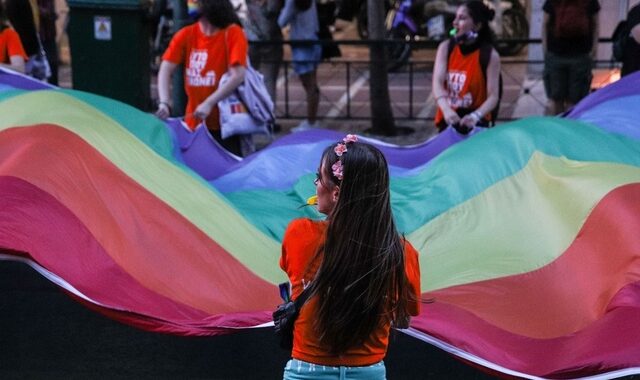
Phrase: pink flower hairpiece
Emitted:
{"points": [[340, 149], [337, 170], [350, 138]]}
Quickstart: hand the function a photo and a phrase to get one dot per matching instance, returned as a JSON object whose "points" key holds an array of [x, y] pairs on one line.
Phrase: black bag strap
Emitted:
{"points": [[302, 298], [485, 55]]}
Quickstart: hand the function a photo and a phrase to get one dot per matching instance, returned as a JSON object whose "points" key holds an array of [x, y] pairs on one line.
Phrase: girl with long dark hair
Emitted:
{"points": [[465, 92], [12, 54], [363, 277], [212, 46]]}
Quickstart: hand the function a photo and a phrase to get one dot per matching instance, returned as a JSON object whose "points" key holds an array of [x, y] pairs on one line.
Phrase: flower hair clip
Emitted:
{"points": [[340, 149], [350, 138], [337, 170]]}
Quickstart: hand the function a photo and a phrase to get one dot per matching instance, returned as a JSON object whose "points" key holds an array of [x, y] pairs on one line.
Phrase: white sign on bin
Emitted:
{"points": [[102, 28]]}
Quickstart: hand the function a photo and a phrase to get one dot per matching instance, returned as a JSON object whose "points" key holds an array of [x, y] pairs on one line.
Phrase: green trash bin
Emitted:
{"points": [[110, 49]]}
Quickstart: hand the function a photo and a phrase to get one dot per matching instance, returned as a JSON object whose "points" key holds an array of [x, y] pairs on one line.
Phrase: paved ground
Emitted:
{"points": [[345, 103], [344, 86], [45, 334]]}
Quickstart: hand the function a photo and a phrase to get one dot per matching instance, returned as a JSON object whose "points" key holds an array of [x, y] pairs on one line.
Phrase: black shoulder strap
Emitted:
{"points": [[485, 57], [302, 298]]}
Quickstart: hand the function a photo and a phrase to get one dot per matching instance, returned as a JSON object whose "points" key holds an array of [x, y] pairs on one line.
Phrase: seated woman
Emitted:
{"points": [[466, 90], [12, 54], [361, 275]]}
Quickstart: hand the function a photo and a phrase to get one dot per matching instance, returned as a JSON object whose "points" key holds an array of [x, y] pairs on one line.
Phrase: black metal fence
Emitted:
{"points": [[410, 85]]}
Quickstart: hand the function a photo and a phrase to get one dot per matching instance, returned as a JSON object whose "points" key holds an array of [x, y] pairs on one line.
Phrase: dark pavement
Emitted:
{"points": [[44, 334]]}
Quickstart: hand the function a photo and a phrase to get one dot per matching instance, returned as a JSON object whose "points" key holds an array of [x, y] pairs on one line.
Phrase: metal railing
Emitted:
{"points": [[414, 105]]}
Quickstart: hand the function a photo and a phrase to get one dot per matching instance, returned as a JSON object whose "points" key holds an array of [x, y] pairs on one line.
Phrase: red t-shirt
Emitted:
{"points": [[205, 59], [301, 241], [10, 46], [466, 84]]}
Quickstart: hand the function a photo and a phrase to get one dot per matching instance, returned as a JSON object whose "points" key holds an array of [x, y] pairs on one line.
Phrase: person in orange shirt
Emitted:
{"points": [[207, 49], [12, 54], [465, 95], [362, 276]]}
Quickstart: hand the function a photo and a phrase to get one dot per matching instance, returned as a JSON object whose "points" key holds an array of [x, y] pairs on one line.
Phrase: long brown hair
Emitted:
{"points": [[361, 282]]}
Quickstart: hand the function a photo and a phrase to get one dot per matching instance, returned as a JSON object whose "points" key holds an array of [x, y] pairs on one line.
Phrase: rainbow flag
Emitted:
{"points": [[527, 233]]}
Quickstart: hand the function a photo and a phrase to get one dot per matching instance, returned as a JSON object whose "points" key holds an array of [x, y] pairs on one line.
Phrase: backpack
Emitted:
{"points": [[485, 57], [254, 95], [252, 92], [244, 111], [620, 40], [248, 109], [571, 19]]}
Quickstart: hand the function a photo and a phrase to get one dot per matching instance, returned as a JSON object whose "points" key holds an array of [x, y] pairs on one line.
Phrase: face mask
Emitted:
{"points": [[193, 9]]}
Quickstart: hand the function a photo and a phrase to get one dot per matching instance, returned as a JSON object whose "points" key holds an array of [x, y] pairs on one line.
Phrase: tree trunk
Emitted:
{"points": [[382, 121]]}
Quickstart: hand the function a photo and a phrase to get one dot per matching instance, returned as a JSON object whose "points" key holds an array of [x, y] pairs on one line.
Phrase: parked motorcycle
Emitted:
{"points": [[431, 20]]}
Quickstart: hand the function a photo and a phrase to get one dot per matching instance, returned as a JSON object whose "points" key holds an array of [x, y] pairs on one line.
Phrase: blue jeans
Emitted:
{"points": [[299, 370]]}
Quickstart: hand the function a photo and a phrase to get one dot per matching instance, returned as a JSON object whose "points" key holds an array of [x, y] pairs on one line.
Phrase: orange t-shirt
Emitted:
{"points": [[205, 59], [10, 46], [301, 242], [466, 84]]}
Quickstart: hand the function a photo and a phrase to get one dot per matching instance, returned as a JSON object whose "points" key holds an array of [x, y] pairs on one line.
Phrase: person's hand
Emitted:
{"points": [[164, 111], [202, 110], [469, 120], [451, 117]]}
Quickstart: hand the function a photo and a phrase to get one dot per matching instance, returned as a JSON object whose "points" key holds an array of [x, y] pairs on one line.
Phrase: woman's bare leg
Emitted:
{"points": [[310, 84]]}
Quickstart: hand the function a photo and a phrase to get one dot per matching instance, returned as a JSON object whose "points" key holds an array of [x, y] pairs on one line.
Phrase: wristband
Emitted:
{"points": [[476, 115], [166, 104]]}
